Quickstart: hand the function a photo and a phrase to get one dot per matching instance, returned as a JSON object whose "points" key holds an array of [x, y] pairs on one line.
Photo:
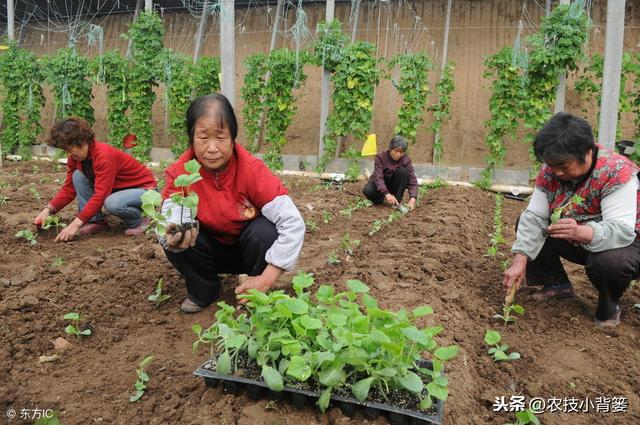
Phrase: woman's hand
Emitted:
{"points": [[177, 241], [515, 274], [262, 282], [569, 230], [69, 232], [40, 218], [412, 204], [391, 199]]}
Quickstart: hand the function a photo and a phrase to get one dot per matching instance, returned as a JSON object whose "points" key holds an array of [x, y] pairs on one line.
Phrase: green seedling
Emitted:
{"points": [[28, 235], [499, 351], [378, 224], [506, 316], [45, 180], [34, 192], [636, 306], [326, 217], [74, 328], [333, 258], [57, 262], [354, 206], [525, 418], [152, 200], [53, 221], [558, 212], [35, 168], [496, 238], [49, 418], [141, 381], [3, 200], [158, 297], [311, 225], [348, 245]]}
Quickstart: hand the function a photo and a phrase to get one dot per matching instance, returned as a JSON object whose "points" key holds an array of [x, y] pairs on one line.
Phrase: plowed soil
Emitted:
{"points": [[434, 255]]}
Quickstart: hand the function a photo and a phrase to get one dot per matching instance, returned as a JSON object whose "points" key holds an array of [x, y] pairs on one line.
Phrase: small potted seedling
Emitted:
{"points": [[74, 328], [158, 297], [28, 235], [152, 201], [507, 309], [53, 221], [499, 351], [141, 381]]}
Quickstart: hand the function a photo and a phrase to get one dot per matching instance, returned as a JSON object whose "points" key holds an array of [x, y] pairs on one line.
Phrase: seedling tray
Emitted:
{"points": [[301, 397]]}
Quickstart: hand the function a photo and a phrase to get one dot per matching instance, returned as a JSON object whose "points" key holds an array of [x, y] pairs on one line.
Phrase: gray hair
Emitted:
{"points": [[398, 142]]}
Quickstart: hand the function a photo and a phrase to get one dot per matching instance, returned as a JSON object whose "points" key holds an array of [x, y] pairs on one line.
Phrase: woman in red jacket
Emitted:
{"points": [[247, 222], [98, 175]]}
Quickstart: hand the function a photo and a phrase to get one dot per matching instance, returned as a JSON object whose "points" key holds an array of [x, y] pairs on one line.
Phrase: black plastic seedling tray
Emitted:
{"points": [[300, 398]]}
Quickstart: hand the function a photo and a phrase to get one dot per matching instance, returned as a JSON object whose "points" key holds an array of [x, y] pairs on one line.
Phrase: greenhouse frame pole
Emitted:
{"points": [[201, 25], [356, 17], [227, 49], [324, 89], [562, 83], [611, 74], [10, 19], [148, 5], [445, 49]]}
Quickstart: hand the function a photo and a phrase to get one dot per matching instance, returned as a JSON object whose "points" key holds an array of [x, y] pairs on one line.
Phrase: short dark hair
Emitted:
{"points": [[212, 103], [563, 138], [70, 132]]}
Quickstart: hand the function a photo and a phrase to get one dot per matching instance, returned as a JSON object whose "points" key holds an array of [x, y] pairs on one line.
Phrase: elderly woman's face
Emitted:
{"points": [[396, 153], [212, 142], [573, 169]]}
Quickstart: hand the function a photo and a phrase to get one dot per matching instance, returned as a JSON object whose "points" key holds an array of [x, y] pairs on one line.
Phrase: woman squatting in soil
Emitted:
{"points": [[392, 175], [98, 175], [601, 233], [247, 222]]}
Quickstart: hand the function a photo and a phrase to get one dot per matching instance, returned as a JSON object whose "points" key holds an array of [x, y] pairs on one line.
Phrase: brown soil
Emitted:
{"points": [[433, 256]]}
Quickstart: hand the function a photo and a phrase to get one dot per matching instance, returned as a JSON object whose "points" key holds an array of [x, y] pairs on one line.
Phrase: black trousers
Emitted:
{"points": [[609, 271], [396, 185], [201, 264]]}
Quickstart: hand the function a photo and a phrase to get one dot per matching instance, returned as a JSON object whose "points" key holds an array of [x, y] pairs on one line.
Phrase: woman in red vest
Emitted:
{"points": [[600, 231], [247, 222], [98, 175]]}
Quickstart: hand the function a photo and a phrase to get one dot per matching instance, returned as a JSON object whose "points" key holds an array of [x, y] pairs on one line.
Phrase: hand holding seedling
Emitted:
{"points": [[69, 232], [262, 282], [178, 240], [570, 230], [514, 276], [40, 218], [412, 204], [391, 199]]}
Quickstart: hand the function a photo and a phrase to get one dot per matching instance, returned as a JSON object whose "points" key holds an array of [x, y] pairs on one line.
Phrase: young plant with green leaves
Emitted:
{"points": [[379, 224], [74, 328], [57, 262], [330, 340], [413, 86], [496, 238], [526, 417], [53, 221], [332, 258], [28, 235], [142, 379], [575, 200], [311, 225], [506, 316], [326, 217], [357, 204], [185, 198], [158, 297], [499, 351], [3, 200], [348, 245], [34, 192], [442, 109]]}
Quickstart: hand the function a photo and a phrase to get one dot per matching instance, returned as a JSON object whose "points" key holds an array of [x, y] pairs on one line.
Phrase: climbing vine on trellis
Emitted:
{"points": [[146, 34], [206, 75], [70, 77], [354, 80], [251, 93], [328, 47], [414, 88], [442, 109], [22, 100], [111, 70]]}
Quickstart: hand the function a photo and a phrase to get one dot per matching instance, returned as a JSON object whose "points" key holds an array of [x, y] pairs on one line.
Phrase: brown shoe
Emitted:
{"points": [[190, 307]]}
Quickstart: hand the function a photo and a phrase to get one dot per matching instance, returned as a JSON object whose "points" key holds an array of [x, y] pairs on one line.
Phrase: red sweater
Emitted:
{"points": [[231, 198], [113, 169]]}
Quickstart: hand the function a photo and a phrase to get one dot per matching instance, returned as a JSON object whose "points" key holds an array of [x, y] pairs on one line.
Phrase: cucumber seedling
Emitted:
{"points": [[575, 200], [158, 297], [53, 221], [74, 328], [499, 351], [141, 382], [28, 235], [506, 316]]}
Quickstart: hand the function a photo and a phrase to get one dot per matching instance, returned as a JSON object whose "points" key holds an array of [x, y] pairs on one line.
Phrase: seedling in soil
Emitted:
{"points": [[35, 169], [557, 212], [354, 206], [53, 221], [326, 217], [499, 351], [74, 328], [496, 238], [57, 262], [636, 306], [525, 418], [141, 383], [378, 224], [311, 225], [28, 235], [506, 316], [333, 258], [33, 191], [49, 417], [152, 200], [348, 244], [3, 200], [158, 297]]}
